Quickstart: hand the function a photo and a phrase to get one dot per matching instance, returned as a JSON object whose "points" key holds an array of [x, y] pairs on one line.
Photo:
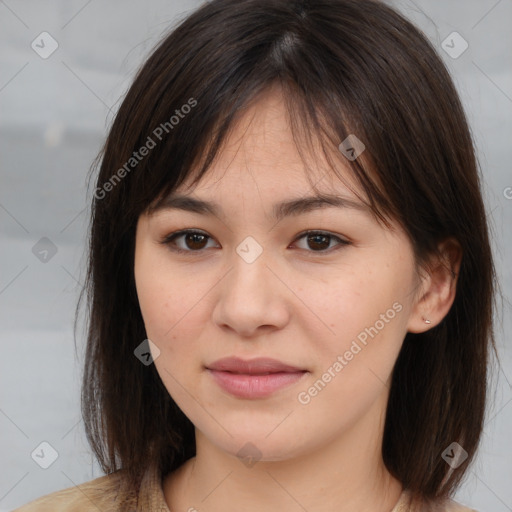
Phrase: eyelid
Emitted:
{"points": [[168, 239]]}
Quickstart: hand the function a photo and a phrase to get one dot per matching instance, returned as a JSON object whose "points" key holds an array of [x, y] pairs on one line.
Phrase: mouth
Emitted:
{"points": [[255, 378]]}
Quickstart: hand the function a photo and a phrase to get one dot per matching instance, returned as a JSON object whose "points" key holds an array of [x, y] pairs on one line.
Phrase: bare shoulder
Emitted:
{"points": [[103, 493]]}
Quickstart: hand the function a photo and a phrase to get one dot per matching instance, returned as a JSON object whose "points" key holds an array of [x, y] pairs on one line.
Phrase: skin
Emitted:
{"points": [[300, 306]]}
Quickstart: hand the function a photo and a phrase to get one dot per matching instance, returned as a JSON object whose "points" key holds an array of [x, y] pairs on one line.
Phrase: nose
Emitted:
{"points": [[252, 298]]}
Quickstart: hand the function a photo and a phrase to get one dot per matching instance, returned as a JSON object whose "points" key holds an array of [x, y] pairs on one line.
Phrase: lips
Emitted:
{"points": [[259, 366], [255, 378]]}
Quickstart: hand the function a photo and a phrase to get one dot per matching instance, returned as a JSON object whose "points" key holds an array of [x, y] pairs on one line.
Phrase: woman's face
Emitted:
{"points": [[335, 306]]}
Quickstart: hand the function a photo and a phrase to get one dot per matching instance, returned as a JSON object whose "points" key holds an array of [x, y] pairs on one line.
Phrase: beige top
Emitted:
{"points": [[103, 494]]}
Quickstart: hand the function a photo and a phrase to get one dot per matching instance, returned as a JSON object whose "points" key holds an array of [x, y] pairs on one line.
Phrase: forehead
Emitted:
{"points": [[261, 152]]}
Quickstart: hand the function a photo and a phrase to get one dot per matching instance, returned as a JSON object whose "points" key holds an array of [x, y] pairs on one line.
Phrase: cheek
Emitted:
{"points": [[353, 364], [171, 306], [366, 308]]}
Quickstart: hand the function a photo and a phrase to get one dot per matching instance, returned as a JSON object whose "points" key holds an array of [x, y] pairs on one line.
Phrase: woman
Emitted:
{"points": [[290, 281]]}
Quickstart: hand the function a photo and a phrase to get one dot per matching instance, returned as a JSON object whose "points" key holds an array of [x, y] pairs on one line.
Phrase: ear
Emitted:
{"points": [[437, 287]]}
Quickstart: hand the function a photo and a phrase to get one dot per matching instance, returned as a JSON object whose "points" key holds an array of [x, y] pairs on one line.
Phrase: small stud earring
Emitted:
{"points": [[427, 321]]}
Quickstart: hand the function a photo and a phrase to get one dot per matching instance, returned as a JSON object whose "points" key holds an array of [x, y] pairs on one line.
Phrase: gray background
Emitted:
{"points": [[54, 114]]}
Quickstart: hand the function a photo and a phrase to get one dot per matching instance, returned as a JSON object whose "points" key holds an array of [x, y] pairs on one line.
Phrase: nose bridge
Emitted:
{"points": [[250, 274], [248, 297]]}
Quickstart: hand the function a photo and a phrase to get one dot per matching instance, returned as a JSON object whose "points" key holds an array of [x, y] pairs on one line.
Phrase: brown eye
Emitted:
{"points": [[195, 241], [317, 241], [187, 241]]}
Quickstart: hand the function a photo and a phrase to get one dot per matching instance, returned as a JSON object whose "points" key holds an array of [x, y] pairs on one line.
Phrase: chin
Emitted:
{"points": [[254, 446]]}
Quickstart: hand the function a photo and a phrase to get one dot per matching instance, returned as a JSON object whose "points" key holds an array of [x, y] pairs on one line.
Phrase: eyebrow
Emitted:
{"points": [[291, 207]]}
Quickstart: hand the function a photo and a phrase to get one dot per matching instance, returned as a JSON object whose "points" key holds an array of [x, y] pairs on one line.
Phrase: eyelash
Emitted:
{"points": [[169, 241]]}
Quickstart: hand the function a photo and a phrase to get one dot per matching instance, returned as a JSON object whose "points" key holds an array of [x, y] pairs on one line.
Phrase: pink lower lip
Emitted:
{"points": [[254, 386]]}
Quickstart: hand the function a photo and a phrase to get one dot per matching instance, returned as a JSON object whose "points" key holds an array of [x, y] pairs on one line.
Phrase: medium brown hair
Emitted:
{"points": [[346, 67]]}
